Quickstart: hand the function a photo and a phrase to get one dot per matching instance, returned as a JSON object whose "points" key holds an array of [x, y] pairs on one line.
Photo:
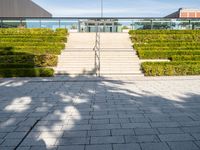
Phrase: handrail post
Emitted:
{"points": [[97, 50]]}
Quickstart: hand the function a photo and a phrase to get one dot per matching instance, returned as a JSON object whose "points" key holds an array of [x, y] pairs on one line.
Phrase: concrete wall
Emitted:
{"points": [[21, 8]]}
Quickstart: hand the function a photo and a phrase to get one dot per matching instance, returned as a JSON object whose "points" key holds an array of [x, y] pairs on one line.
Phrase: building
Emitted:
{"points": [[22, 8], [185, 13]]}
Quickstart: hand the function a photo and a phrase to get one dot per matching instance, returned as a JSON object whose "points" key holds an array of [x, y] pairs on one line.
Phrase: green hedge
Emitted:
{"points": [[26, 72], [170, 68], [17, 65], [23, 50], [30, 51], [164, 32], [19, 38], [185, 58], [37, 60], [23, 31], [164, 54]]}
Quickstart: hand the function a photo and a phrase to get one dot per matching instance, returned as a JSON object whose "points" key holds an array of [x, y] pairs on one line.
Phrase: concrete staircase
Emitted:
{"points": [[117, 56]]}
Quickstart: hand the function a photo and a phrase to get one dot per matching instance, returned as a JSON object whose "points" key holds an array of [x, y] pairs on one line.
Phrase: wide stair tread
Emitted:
{"points": [[117, 56]]}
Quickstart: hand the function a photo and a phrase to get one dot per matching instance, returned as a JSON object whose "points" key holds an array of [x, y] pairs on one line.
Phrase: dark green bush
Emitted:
{"points": [[170, 68], [21, 50], [37, 60], [17, 65], [185, 58], [26, 72], [164, 54]]}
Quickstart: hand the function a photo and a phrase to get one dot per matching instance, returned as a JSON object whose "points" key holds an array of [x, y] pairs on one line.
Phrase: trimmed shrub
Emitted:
{"points": [[26, 72], [164, 54], [16, 65], [21, 50], [170, 68], [185, 58], [37, 60]]}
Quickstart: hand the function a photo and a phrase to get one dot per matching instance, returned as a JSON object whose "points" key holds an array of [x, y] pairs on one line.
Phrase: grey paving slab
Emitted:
{"points": [[170, 130], [98, 147], [154, 146], [104, 113], [142, 138], [107, 140], [176, 137], [183, 146], [74, 147], [132, 146]]}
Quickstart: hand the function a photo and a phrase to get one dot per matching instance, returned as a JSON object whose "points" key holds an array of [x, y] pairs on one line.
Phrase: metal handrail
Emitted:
{"points": [[96, 49]]}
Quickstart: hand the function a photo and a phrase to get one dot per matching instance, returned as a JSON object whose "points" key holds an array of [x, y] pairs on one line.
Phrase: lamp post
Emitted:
{"points": [[101, 8]]}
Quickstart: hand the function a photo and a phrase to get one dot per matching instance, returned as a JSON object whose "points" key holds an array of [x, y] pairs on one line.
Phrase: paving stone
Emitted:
{"points": [[154, 146], [126, 146], [98, 147], [183, 146], [175, 137], [43, 147], [11, 142], [191, 129], [15, 135], [74, 147], [107, 140], [39, 142], [159, 118], [73, 141], [198, 143], [75, 134], [140, 119], [2, 135], [136, 125], [6, 148], [99, 133], [106, 126], [196, 136], [77, 127], [122, 132], [164, 124], [24, 148], [143, 138], [119, 120], [99, 121], [170, 130], [145, 131]]}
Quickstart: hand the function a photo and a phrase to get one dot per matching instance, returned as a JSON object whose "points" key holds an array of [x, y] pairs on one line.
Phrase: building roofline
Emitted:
{"points": [[41, 7]]}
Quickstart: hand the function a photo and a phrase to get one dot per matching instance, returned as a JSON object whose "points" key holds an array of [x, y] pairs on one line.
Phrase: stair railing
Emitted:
{"points": [[97, 49]]}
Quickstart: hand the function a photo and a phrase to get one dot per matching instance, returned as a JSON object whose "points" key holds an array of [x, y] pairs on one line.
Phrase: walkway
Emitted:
{"points": [[161, 113]]}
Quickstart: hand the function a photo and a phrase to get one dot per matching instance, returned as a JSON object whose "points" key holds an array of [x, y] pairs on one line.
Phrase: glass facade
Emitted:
{"points": [[105, 25]]}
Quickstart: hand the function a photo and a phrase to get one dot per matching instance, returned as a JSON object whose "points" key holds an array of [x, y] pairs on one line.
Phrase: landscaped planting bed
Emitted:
{"points": [[30, 52], [182, 47]]}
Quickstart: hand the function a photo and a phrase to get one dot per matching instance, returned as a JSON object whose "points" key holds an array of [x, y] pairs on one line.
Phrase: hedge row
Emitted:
{"points": [[185, 58], [26, 44], [164, 32], [26, 72], [22, 51], [170, 68], [36, 60], [22, 31], [166, 44], [33, 39], [167, 48], [31, 50], [165, 54]]}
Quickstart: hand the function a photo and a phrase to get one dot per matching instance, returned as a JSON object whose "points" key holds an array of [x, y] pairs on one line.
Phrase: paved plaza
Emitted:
{"points": [[156, 113]]}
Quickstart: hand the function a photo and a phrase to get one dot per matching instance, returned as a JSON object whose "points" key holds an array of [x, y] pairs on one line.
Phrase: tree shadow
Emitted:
{"points": [[51, 112]]}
